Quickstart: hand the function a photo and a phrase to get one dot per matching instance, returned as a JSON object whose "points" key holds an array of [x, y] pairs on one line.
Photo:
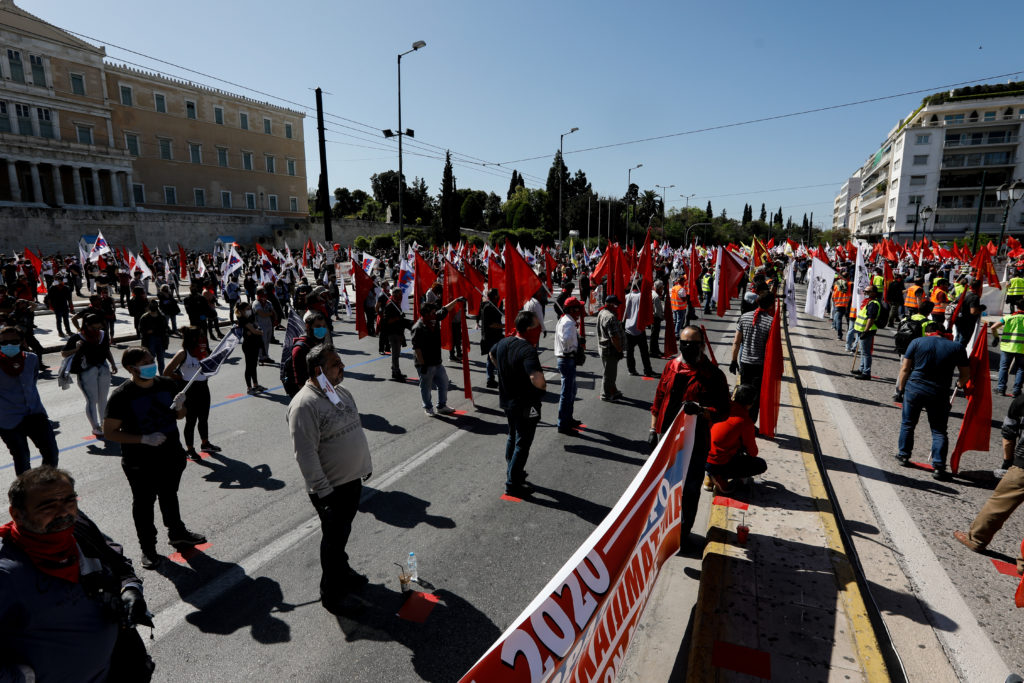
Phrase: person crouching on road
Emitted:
{"points": [[733, 452], [693, 383], [142, 416], [334, 457], [567, 348], [923, 384], [865, 326]]}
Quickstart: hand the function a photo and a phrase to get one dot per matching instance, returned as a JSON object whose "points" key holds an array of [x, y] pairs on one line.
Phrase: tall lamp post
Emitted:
{"points": [[1009, 194], [629, 184], [401, 133], [687, 197], [891, 223], [926, 214], [917, 217], [697, 225], [561, 172], [663, 188]]}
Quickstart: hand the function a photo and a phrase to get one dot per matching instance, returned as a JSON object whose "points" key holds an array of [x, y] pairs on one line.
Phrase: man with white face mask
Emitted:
{"points": [[22, 415], [142, 416]]}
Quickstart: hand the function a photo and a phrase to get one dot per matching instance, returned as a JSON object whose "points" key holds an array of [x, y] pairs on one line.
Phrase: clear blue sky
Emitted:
{"points": [[501, 81]]}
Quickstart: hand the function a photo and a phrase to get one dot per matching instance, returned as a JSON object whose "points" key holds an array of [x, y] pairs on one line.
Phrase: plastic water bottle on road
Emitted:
{"points": [[410, 565]]}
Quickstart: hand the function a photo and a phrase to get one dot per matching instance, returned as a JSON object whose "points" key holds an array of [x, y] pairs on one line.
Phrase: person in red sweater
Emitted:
{"points": [[733, 452]]}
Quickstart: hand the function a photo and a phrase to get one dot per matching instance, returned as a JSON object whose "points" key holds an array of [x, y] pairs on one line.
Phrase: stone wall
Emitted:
{"points": [[54, 231]]}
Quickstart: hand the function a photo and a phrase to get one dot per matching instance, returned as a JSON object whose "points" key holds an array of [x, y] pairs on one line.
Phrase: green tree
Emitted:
{"points": [[494, 217], [361, 243], [710, 214], [342, 203], [513, 184], [417, 203], [383, 242], [764, 214], [472, 211], [385, 187], [449, 207]]}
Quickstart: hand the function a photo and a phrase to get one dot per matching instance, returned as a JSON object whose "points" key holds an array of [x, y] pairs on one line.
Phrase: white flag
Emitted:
{"points": [[819, 287], [99, 247], [861, 279], [790, 293]]}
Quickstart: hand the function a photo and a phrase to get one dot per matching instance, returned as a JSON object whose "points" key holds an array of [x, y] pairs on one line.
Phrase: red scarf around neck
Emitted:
{"points": [[54, 554], [12, 367]]}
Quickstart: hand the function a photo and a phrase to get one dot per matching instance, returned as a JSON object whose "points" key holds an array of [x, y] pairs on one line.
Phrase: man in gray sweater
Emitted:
{"points": [[334, 457]]}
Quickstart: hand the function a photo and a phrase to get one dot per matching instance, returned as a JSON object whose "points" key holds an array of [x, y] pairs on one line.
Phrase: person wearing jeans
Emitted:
{"points": [[90, 350], [426, 347], [1011, 348], [567, 344], [22, 415]]}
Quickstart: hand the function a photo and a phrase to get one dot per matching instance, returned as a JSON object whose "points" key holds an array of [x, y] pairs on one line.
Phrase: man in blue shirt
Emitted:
{"points": [[22, 415], [923, 384]]}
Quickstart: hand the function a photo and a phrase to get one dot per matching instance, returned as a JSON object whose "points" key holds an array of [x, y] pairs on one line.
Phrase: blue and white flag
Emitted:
{"points": [[295, 328], [211, 364]]}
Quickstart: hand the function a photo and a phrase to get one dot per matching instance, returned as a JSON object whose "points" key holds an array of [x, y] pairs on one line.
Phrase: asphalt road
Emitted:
{"points": [[246, 608]]}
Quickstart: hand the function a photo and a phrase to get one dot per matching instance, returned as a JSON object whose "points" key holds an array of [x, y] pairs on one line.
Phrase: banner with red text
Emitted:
{"points": [[579, 627]]}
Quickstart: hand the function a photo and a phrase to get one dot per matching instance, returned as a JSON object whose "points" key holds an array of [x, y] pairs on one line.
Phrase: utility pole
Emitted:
{"points": [[325, 199], [981, 206]]}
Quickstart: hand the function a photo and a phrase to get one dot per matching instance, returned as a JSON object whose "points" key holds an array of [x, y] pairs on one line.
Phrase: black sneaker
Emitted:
{"points": [[186, 537], [903, 460], [151, 559], [209, 447], [193, 455], [354, 580], [940, 474], [522, 490], [492, 384]]}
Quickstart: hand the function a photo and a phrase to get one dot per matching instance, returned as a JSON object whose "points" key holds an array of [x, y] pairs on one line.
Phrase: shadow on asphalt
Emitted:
{"points": [[250, 604], [567, 502], [603, 453], [443, 648], [379, 423], [833, 463], [236, 474], [845, 397], [400, 509], [362, 376]]}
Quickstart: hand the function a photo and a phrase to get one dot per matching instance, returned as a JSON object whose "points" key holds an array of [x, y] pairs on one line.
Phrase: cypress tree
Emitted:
{"points": [[513, 184], [764, 214], [710, 213]]}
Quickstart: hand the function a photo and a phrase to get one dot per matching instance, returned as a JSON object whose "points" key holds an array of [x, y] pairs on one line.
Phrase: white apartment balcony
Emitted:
{"points": [[1000, 119], [983, 141]]}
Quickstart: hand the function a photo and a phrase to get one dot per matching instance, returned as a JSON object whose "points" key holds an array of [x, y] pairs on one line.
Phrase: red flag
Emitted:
{"points": [[986, 271], [496, 277], [270, 257], [37, 263], [771, 244], [771, 384], [692, 286], [475, 283], [521, 283], [729, 274], [956, 311], [182, 262], [1018, 596], [146, 255], [645, 271], [424, 279], [1013, 242], [467, 381], [364, 285], [549, 267], [976, 428], [707, 343], [992, 249]]}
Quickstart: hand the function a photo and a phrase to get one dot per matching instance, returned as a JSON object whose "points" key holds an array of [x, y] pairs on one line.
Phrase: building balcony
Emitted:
{"points": [[969, 164], [1000, 119], [984, 141]]}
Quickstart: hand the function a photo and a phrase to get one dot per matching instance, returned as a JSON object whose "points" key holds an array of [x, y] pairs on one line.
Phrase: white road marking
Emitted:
{"points": [[172, 617], [969, 647]]}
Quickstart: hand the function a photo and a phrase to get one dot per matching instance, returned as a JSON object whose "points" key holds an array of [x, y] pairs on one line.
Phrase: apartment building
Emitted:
{"points": [[79, 132], [951, 155], [844, 203]]}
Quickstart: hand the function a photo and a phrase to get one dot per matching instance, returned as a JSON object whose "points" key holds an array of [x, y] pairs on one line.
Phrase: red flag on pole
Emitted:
{"points": [[976, 428], [146, 255], [467, 381], [364, 285], [771, 384], [37, 263], [424, 279], [475, 284], [986, 270], [521, 283], [182, 262], [496, 277], [550, 265], [645, 271], [730, 272]]}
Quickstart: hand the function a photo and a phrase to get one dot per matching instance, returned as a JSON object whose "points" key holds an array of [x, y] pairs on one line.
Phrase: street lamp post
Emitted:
{"points": [[401, 133], [1009, 194], [892, 224], [917, 216], [663, 188], [561, 172], [696, 225], [687, 198], [629, 184], [926, 214]]}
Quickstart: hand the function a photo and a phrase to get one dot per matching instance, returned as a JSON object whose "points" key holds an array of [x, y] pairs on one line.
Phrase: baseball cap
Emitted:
{"points": [[572, 302]]}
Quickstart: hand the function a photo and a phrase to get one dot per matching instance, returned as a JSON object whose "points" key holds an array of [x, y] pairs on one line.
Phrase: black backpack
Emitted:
{"points": [[884, 311], [907, 331], [291, 385]]}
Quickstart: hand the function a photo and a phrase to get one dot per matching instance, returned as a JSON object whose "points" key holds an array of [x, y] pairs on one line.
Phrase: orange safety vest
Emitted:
{"points": [[939, 297], [840, 299], [912, 298], [679, 298]]}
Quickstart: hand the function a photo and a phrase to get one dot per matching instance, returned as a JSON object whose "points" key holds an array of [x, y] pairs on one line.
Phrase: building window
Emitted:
{"points": [[922, 138], [953, 118], [896, 165], [131, 143], [84, 134], [45, 123], [990, 116], [218, 115], [14, 62], [225, 199], [39, 73], [293, 204], [165, 149], [195, 153], [139, 192], [170, 194], [272, 199], [291, 166], [266, 126], [24, 116], [5, 121], [190, 109], [243, 121], [911, 218], [200, 196], [222, 157], [77, 84], [920, 159], [247, 161], [288, 130], [917, 179], [270, 163], [915, 199], [160, 102], [892, 202], [250, 200], [126, 95]]}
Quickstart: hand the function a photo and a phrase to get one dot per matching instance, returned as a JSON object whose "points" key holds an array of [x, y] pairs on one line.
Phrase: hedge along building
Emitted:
{"points": [[90, 145]]}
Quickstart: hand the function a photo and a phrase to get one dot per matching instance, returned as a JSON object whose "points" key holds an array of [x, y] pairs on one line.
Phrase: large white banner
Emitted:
{"points": [[861, 279], [790, 292], [819, 287]]}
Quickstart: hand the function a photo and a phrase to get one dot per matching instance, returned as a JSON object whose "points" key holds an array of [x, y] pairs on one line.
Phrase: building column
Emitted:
{"points": [[12, 178], [115, 189], [76, 176], [130, 184], [37, 186], [96, 189], [58, 187]]}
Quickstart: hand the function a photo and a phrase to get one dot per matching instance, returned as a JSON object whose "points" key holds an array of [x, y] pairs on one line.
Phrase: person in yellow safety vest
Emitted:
{"points": [[1015, 290], [680, 302], [707, 286], [878, 280], [866, 325], [914, 297], [1011, 348], [940, 298], [959, 287], [840, 303]]}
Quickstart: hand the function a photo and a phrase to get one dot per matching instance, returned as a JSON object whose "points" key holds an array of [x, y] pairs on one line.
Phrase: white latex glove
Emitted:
{"points": [[178, 402], [154, 439]]}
